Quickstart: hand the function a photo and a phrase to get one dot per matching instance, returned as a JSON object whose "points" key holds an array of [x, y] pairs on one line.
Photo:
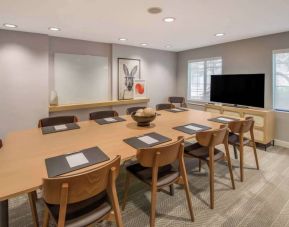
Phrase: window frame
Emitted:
{"points": [[274, 52], [205, 76]]}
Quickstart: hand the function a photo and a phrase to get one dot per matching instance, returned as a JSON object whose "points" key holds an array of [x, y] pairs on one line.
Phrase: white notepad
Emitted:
{"points": [[60, 127], [191, 127], [148, 139], [76, 160], [176, 110], [225, 119], [109, 119]]}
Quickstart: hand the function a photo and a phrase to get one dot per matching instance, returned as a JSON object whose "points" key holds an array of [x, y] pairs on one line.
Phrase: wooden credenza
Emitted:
{"points": [[264, 120]]}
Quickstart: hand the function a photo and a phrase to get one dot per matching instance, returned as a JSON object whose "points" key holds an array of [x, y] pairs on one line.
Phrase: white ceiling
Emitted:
{"points": [[108, 20]]}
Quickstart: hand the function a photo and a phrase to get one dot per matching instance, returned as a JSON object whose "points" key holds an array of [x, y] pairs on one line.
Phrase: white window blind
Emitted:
{"points": [[199, 77], [281, 80]]}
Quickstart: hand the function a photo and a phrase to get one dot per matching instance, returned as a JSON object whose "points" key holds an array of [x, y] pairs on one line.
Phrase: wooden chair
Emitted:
{"points": [[84, 198], [130, 110], [164, 106], [102, 114], [51, 121], [205, 150], [154, 168], [237, 140], [178, 100]]}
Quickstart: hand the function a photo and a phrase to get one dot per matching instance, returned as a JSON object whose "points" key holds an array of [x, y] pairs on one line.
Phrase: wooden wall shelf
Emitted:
{"points": [[78, 106]]}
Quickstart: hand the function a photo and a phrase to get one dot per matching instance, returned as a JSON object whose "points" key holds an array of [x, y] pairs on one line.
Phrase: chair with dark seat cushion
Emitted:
{"points": [[238, 141], [164, 106], [132, 109], [205, 150], [154, 168], [52, 121], [178, 100], [102, 114], [84, 198]]}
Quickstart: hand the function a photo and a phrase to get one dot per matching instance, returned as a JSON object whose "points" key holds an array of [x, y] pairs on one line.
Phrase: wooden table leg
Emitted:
{"points": [[4, 213], [32, 202]]}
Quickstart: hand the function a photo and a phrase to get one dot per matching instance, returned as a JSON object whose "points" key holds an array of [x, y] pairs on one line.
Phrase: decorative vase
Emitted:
{"points": [[53, 98]]}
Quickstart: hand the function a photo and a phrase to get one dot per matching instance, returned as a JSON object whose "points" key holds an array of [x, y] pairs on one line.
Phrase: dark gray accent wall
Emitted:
{"points": [[252, 55]]}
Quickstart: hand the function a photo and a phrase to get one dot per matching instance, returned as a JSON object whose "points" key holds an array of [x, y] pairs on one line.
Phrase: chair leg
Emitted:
{"points": [[172, 189], [188, 195], [200, 165], [153, 205], [126, 187], [33, 209], [235, 152], [46, 217], [256, 155], [229, 165], [241, 149], [211, 170]]}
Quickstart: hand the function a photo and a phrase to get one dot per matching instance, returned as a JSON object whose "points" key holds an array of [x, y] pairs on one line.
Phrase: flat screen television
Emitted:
{"points": [[238, 89]]}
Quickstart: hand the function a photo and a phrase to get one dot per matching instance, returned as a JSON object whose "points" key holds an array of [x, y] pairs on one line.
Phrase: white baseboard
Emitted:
{"points": [[282, 143]]}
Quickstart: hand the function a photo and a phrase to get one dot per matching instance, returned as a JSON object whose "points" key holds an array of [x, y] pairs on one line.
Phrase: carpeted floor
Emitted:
{"points": [[262, 200]]}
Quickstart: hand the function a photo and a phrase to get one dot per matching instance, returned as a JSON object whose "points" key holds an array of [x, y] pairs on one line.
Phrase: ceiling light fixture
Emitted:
{"points": [[10, 25], [144, 44], [169, 19], [54, 29], [220, 34], [122, 39]]}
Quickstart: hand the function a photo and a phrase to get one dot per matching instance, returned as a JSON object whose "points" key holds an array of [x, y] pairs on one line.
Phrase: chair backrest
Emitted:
{"points": [[102, 114], [164, 106], [130, 110], [52, 121], [242, 126], [175, 99], [214, 137], [80, 186], [167, 154]]}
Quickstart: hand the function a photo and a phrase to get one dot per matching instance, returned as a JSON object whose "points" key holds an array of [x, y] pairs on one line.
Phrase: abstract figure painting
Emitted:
{"points": [[128, 71], [139, 89]]}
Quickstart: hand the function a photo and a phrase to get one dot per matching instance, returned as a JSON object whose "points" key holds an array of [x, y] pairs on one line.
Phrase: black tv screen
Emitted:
{"points": [[238, 89]]}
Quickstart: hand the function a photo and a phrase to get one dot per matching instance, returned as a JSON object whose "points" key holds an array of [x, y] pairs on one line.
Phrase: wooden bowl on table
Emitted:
{"points": [[143, 121]]}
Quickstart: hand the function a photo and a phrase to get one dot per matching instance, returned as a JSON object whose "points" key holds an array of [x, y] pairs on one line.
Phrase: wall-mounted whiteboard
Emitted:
{"points": [[81, 78]]}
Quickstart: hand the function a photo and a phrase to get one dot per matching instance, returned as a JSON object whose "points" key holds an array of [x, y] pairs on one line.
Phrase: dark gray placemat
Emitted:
{"points": [[216, 119], [136, 143], [173, 111], [58, 165], [182, 128], [104, 122], [51, 129]]}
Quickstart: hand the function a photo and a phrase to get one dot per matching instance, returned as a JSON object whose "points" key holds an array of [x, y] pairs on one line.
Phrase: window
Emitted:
{"points": [[281, 80], [199, 77]]}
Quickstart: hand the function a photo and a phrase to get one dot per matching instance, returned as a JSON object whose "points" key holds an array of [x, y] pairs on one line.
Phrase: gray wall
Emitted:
{"points": [[23, 80], [26, 75], [245, 56]]}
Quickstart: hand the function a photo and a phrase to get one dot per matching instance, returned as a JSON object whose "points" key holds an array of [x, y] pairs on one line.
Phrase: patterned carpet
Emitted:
{"points": [[262, 200]]}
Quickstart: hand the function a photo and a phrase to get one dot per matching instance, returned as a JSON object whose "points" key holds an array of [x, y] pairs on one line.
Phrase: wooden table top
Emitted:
{"points": [[22, 158]]}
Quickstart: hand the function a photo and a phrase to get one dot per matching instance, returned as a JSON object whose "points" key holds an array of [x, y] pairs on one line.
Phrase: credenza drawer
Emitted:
{"points": [[259, 120], [211, 110], [231, 113]]}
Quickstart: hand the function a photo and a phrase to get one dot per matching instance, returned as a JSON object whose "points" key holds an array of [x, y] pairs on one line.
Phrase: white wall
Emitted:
{"points": [[23, 80]]}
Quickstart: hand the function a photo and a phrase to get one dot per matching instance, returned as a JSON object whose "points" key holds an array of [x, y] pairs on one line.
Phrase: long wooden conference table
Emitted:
{"points": [[22, 158]]}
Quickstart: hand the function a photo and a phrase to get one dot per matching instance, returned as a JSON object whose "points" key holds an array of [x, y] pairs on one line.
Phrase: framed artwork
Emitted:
{"points": [[139, 88], [128, 72]]}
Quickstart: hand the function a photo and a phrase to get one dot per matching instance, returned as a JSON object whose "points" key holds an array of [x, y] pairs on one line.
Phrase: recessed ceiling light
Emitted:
{"points": [[122, 39], [154, 10], [219, 34], [144, 44], [10, 25], [169, 19], [54, 29]]}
